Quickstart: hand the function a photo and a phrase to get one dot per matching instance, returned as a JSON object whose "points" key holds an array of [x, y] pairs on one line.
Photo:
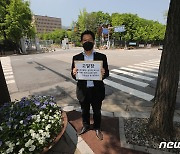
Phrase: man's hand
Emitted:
{"points": [[102, 71], [75, 71]]}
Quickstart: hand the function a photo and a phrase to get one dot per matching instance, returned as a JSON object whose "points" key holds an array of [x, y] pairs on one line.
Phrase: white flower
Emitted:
{"points": [[50, 117], [7, 142], [15, 126], [47, 127], [43, 134], [40, 131], [10, 144], [37, 136], [10, 119], [33, 116], [32, 148], [29, 143], [21, 122], [9, 150], [58, 112], [46, 134], [31, 131], [41, 112], [33, 135], [21, 151], [52, 121], [17, 143], [1, 128], [38, 120], [25, 135], [42, 140], [11, 147], [38, 116], [46, 117]]}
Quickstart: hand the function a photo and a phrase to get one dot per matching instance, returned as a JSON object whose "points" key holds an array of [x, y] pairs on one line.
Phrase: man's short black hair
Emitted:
{"points": [[88, 32]]}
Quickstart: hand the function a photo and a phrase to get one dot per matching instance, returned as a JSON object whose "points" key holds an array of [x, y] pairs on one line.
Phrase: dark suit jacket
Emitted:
{"points": [[98, 85]]}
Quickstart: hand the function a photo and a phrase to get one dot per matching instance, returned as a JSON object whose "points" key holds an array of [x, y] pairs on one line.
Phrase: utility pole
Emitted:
{"points": [[4, 93]]}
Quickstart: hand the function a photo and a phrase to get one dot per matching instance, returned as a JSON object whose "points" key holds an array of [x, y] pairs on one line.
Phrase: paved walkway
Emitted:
{"points": [[114, 141]]}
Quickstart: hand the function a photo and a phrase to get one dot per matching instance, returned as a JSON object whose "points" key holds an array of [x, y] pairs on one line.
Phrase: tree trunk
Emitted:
{"points": [[4, 93], [161, 118]]}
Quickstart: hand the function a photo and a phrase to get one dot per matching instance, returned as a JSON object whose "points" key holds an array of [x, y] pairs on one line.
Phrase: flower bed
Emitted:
{"points": [[29, 125]]}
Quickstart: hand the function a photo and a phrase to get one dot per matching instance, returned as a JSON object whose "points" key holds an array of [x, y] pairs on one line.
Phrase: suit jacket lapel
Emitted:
{"points": [[81, 57], [95, 56]]}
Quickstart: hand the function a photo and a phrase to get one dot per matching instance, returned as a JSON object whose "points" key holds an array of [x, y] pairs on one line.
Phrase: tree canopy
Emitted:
{"points": [[137, 29], [57, 35], [15, 20]]}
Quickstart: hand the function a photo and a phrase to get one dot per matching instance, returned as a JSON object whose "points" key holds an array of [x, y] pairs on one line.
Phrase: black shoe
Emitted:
{"points": [[99, 134], [84, 130]]}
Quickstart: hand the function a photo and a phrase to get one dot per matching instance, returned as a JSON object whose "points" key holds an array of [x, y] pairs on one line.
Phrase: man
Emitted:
{"points": [[90, 92]]}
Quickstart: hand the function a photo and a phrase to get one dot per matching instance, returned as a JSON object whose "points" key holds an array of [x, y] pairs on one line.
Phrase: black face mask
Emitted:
{"points": [[88, 46]]}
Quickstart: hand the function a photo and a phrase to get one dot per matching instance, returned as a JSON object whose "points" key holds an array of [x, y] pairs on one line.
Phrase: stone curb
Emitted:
{"points": [[82, 146], [85, 149]]}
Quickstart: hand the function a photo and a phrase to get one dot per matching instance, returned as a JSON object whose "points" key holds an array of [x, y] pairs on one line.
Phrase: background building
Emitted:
{"points": [[46, 24]]}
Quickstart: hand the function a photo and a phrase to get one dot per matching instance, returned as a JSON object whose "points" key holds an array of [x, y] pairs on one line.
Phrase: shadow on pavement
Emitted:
{"points": [[110, 129], [62, 97]]}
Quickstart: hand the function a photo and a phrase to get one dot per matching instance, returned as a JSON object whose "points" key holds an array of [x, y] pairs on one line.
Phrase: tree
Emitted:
{"points": [[70, 35], [92, 21], [18, 20], [161, 118], [138, 29], [82, 18], [3, 12], [15, 21], [57, 35]]}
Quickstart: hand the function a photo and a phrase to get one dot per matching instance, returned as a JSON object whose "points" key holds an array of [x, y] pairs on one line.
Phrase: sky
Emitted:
{"points": [[68, 10]]}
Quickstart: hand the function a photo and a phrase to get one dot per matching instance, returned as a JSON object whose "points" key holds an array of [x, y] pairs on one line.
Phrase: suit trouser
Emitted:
{"points": [[96, 106]]}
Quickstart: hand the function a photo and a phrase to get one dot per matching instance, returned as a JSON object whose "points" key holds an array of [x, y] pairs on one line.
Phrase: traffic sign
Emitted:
{"points": [[105, 31], [120, 28]]}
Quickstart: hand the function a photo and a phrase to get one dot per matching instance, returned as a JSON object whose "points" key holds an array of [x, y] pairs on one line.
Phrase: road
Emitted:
{"points": [[131, 84]]}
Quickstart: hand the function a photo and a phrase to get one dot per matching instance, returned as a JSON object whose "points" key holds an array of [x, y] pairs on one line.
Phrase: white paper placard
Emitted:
{"points": [[88, 70]]}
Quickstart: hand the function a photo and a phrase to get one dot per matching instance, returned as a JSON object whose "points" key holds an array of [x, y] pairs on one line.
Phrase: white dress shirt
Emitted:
{"points": [[90, 83]]}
